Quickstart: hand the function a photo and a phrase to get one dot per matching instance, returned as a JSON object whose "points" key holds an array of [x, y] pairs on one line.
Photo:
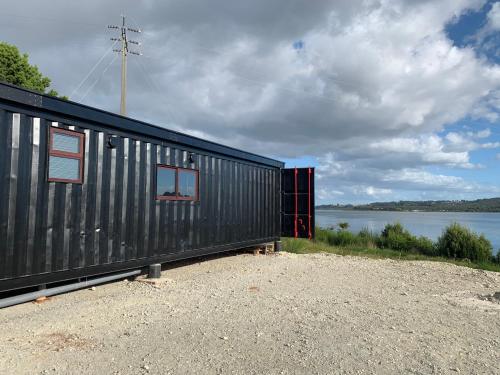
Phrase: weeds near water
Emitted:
{"points": [[394, 242]]}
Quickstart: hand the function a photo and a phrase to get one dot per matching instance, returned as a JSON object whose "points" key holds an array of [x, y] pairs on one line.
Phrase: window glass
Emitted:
{"points": [[64, 168], [187, 183], [65, 142], [165, 182]]}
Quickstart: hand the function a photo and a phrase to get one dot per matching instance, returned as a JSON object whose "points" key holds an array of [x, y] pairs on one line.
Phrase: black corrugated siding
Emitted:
{"points": [[113, 216]]}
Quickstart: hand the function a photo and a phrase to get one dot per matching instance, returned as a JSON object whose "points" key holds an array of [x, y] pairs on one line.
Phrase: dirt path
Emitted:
{"points": [[278, 314]]}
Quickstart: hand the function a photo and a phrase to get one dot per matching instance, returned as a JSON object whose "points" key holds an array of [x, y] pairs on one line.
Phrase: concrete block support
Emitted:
{"points": [[154, 271], [277, 246]]}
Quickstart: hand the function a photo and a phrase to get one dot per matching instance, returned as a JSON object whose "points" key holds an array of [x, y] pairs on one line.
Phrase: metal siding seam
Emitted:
{"points": [[142, 195], [224, 183], [259, 203], [167, 216], [97, 216], [157, 206], [123, 235], [251, 200], [229, 202], [267, 209], [197, 226], [248, 201], [5, 144], [246, 205], [255, 212], [167, 209], [184, 206], [129, 218], [152, 200], [204, 201], [275, 195], [236, 216], [40, 229], [147, 203], [35, 152], [209, 201], [230, 226], [9, 258], [215, 213], [177, 232], [189, 212], [50, 218], [219, 175], [244, 202], [112, 197], [226, 200], [263, 209], [267, 203], [67, 221], [136, 198], [83, 206]]}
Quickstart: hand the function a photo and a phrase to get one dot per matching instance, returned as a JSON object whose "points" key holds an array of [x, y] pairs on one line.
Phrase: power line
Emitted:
{"points": [[98, 79], [124, 52], [92, 70], [52, 19], [153, 85]]}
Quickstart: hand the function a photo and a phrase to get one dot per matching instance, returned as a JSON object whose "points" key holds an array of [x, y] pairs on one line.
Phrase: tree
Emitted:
{"points": [[344, 226], [16, 69]]}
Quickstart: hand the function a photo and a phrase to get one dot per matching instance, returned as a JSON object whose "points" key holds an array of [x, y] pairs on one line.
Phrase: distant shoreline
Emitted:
{"points": [[478, 205], [395, 210]]}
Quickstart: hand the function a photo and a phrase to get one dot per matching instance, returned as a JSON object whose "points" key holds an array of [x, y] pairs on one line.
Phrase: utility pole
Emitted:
{"points": [[123, 39]]}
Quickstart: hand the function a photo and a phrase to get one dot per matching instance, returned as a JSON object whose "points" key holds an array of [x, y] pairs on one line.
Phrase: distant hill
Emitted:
{"points": [[479, 205]]}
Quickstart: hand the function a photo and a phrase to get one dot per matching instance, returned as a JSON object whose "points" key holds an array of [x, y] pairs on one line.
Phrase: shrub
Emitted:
{"points": [[368, 238], [425, 246], [322, 235], [460, 242], [345, 238], [396, 237], [344, 226]]}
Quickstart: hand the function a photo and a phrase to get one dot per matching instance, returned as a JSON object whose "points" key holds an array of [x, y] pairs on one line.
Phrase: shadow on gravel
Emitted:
{"points": [[165, 267]]}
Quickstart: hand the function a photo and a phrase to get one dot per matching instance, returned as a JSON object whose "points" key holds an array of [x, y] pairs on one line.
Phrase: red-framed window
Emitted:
{"points": [[66, 150], [175, 183]]}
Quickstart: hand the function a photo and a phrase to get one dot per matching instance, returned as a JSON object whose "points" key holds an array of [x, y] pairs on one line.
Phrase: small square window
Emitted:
{"points": [[66, 156], [64, 168], [187, 183], [174, 183], [165, 182]]}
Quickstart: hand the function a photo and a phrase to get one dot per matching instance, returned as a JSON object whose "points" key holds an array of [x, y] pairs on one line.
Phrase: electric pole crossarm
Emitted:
{"points": [[124, 52]]}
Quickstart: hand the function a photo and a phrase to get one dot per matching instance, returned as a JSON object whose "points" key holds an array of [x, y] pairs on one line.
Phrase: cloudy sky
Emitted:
{"points": [[388, 99]]}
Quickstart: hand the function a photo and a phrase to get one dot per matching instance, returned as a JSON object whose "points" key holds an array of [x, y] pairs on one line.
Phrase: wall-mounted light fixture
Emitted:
{"points": [[112, 141]]}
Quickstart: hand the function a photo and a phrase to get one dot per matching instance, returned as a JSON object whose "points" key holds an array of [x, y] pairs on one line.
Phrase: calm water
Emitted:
{"points": [[429, 224]]}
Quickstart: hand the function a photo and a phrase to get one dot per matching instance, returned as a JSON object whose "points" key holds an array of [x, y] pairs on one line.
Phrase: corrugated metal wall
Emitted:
{"points": [[113, 216]]}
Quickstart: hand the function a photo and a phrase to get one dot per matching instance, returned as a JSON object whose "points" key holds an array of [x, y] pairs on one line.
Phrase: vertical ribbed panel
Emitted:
{"points": [[113, 215]]}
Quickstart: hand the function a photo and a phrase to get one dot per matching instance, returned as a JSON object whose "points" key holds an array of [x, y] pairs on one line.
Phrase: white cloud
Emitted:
{"points": [[371, 191], [494, 16], [374, 85]]}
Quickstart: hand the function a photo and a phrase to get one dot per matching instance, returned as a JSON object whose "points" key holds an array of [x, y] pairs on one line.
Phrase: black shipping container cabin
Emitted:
{"points": [[85, 192]]}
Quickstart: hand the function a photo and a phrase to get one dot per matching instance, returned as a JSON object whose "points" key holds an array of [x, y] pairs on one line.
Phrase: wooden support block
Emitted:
{"points": [[41, 300], [269, 248]]}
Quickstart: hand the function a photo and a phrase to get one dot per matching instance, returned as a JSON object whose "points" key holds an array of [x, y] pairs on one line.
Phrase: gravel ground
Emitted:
{"points": [[276, 314]]}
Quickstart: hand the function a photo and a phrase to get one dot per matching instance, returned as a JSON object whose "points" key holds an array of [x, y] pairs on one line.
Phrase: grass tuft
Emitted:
{"points": [[372, 245]]}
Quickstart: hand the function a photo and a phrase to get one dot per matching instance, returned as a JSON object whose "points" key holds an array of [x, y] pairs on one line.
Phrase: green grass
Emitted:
{"points": [[302, 246]]}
